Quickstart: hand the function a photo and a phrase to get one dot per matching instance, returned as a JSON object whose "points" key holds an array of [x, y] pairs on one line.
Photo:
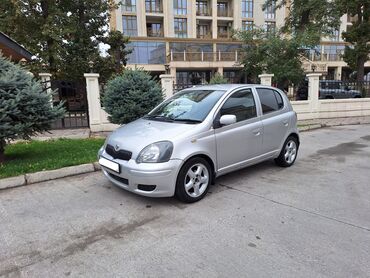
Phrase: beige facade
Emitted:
{"points": [[192, 39]]}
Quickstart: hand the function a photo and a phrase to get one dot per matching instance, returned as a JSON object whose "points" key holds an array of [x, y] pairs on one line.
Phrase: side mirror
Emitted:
{"points": [[227, 119]]}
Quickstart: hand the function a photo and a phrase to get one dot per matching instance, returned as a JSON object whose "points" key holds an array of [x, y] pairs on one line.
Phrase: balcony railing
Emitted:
{"points": [[316, 57], [154, 33], [204, 11], [205, 56], [204, 35], [224, 13], [224, 35]]}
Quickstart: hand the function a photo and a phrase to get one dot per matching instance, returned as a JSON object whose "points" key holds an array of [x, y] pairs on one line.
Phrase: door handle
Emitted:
{"points": [[257, 132], [285, 123]]}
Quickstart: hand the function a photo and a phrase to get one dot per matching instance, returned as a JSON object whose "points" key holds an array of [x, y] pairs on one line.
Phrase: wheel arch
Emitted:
{"points": [[208, 159], [295, 135]]}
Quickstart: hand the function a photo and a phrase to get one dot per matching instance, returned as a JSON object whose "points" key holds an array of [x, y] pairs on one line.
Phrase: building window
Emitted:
{"points": [[154, 30], [181, 28], [180, 7], [153, 6], [204, 31], [129, 25], [247, 8], [270, 26], [202, 7], [247, 25], [270, 11], [233, 77], [147, 53], [335, 35], [222, 9], [129, 5], [333, 52]]}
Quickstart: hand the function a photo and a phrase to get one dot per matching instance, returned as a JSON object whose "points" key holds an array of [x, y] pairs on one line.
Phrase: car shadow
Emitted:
{"points": [[241, 175]]}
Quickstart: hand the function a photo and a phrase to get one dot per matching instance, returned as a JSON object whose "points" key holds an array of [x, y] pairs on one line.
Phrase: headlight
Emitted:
{"points": [[156, 153]]}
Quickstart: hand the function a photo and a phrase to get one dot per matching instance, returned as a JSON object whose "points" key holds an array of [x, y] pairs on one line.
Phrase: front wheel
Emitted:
{"points": [[288, 153], [193, 180]]}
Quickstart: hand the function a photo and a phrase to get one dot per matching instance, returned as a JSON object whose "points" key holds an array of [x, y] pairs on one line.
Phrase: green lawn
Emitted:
{"points": [[34, 156]]}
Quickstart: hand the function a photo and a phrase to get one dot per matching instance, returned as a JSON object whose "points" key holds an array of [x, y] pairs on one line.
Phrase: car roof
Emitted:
{"points": [[225, 87]]}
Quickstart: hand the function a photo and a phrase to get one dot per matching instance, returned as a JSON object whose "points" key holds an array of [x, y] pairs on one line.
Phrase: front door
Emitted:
{"points": [[239, 143]]}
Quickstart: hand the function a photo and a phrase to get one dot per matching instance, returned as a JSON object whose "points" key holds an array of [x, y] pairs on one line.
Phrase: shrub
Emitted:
{"points": [[25, 109], [218, 79], [131, 95]]}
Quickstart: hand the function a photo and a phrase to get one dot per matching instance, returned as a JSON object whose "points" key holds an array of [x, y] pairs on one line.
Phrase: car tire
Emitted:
{"points": [[193, 180], [288, 153]]}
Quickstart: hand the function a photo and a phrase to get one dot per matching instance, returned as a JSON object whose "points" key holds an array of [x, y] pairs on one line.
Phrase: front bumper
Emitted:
{"points": [[134, 175]]}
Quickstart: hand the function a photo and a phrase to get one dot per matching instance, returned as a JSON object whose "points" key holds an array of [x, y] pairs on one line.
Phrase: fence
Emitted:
{"points": [[311, 108], [204, 56], [333, 89]]}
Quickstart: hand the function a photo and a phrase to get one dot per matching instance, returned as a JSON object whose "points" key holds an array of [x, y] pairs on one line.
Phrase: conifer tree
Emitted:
{"points": [[25, 107]]}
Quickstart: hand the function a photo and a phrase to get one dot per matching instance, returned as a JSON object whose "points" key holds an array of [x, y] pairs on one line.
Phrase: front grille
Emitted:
{"points": [[120, 154], [118, 178]]}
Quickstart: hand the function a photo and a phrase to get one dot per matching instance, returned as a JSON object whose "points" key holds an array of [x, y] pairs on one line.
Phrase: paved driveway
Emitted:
{"points": [[311, 220]]}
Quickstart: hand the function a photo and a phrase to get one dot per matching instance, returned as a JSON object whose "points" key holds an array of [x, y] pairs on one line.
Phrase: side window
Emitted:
{"points": [[241, 104], [270, 100]]}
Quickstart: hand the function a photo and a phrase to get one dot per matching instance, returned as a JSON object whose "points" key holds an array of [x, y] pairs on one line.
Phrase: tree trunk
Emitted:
{"points": [[361, 60], [2, 149]]}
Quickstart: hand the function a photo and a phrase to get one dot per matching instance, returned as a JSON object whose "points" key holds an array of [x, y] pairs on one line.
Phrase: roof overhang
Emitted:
{"points": [[10, 48]]}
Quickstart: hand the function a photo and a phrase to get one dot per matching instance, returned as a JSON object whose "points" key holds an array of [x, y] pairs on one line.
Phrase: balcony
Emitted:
{"points": [[203, 8], [204, 35], [203, 56], [154, 32], [224, 35], [223, 9], [223, 32]]}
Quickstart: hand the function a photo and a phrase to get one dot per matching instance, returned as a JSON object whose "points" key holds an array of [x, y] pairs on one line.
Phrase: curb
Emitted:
{"points": [[310, 127], [41, 176]]}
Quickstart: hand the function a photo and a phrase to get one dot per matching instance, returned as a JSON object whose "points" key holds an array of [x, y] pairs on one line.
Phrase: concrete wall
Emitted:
{"points": [[332, 108]]}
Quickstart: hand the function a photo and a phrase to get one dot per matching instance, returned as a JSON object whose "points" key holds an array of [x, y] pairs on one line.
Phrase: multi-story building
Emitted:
{"points": [[192, 39]]}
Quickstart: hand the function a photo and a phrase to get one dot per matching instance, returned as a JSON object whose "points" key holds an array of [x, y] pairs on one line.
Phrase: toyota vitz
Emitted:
{"points": [[198, 134]]}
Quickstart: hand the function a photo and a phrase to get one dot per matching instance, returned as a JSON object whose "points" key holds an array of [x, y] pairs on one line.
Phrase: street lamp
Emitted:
{"points": [[23, 62], [91, 65], [167, 68]]}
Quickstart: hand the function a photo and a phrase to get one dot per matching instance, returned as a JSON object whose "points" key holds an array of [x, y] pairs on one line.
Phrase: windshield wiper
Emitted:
{"points": [[158, 118], [188, 120]]}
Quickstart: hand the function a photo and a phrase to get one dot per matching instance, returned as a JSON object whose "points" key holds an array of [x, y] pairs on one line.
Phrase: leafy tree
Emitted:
{"points": [[65, 34], [308, 20], [131, 95], [272, 53], [117, 51], [25, 109], [218, 79], [358, 35], [85, 27]]}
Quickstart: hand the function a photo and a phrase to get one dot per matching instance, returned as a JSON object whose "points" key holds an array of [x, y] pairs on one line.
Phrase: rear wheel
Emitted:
{"points": [[288, 153], [193, 180]]}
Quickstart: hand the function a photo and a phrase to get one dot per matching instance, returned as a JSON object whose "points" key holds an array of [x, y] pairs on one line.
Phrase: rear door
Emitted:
{"points": [[275, 120], [240, 142]]}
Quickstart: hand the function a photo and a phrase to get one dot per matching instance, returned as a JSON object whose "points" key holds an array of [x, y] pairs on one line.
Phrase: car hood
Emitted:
{"points": [[138, 134]]}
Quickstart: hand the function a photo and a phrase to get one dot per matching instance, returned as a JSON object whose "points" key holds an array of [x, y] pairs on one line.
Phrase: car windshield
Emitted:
{"points": [[190, 106]]}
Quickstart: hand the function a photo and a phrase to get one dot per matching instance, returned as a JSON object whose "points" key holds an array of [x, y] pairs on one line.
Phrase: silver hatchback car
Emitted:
{"points": [[198, 134]]}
